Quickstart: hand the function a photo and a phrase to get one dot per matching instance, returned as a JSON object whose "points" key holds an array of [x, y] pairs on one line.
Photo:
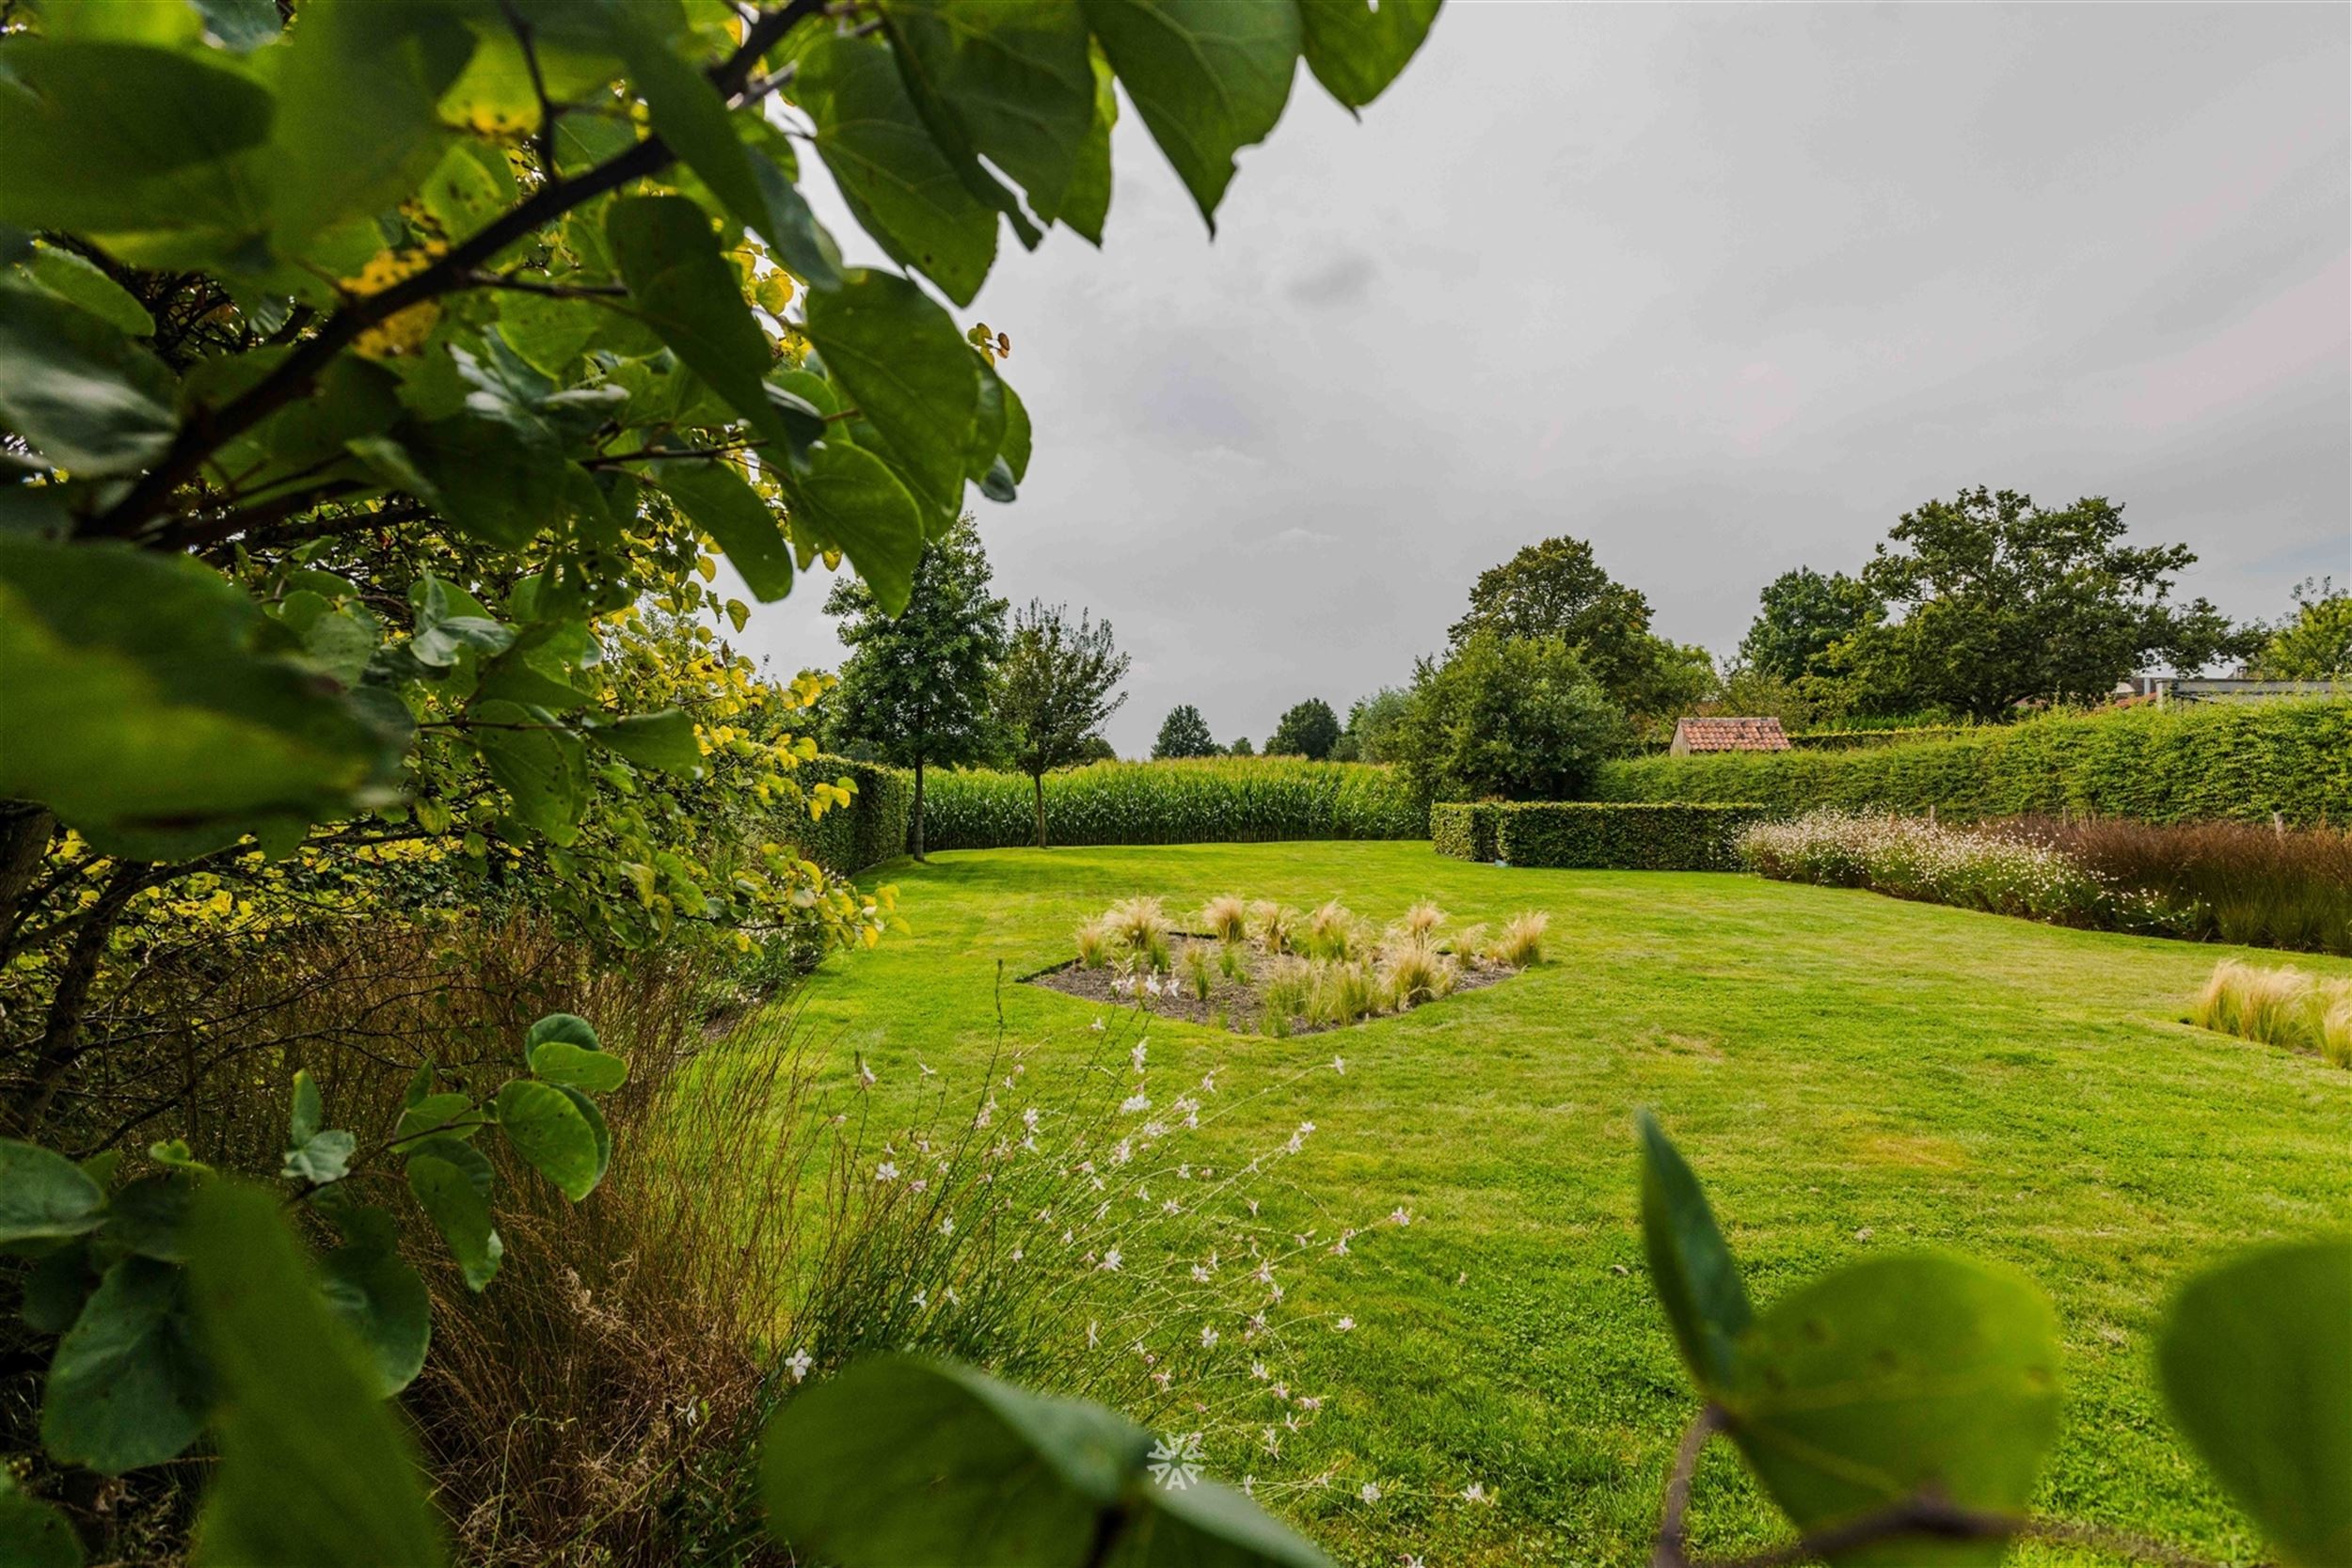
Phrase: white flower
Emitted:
{"points": [[1094, 1335], [1402, 1215], [929, 1070], [1208, 1337], [1097, 1024], [1339, 1065], [1170, 1206], [1135, 1055], [947, 1224], [1474, 1492], [922, 1299], [1016, 1255], [1111, 1261], [1199, 1274], [918, 1184], [1135, 1102], [1028, 1118], [798, 1364], [886, 1171], [1369, 1492], [1344, 1324], [1258, 1370], [865, 1074], [1310, 1402]]}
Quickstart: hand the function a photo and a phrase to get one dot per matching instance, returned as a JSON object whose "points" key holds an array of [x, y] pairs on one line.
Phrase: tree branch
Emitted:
{"points": [[206, 430]]}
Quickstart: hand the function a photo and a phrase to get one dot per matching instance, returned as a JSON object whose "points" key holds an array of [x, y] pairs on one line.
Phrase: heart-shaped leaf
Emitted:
{"points": [[1901, 1376], [2256, 1363], [126, 1386]]}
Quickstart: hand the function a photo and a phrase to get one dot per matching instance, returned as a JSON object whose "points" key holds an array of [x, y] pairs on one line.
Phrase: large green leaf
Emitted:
{"points": [[378, 1298], [1355, 48], [540, 763], [356, 129], [44, 1195], [1690, 1267], [717, 501], [151, 152], [127, 1386], [86, 396], [910, 372], [1014, 77], [1895, 1377], [900, 1460], [1209, 77], [898, 182], [663, 740], [452, 1182], [80, 281], [314, 1466], [1086, 203], [2256, 1363], [33, 1534], [147, 701], [683, 288], [851, 499], [547, 1129], [590, 1071]]}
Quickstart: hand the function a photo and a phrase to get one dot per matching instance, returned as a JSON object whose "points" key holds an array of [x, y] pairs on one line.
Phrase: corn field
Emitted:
{"points": [[1197, 801]]}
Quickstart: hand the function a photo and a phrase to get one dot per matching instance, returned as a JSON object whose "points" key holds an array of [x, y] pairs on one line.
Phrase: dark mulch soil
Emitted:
{"points": [[1232, 1003]]}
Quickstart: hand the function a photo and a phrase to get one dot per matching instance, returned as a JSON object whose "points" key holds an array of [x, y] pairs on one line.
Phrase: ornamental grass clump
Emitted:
{"points": [[1413, 972], [1199, 971], [1283, 994], [1093, 945], [1226, 918], [2279, 1007], [1276, 925], [1521, 941], [1332, 932], [1341, 990], [1139, 923], [1423, 919], [1918, 859]]}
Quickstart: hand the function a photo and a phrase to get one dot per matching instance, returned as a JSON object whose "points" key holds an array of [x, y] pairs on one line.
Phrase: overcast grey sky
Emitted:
{"points": [[1722, 290]]}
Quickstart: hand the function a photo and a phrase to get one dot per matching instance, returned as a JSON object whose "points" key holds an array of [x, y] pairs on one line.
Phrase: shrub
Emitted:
{"points": [[1093, 943], [1516, 717], [1136, 923], [1202, 801], [1619, 837], [2279, 1007], [1463, 830], [1340, 991], [1521, 943], [871, 829], [1226, 918], [2185, 763]]}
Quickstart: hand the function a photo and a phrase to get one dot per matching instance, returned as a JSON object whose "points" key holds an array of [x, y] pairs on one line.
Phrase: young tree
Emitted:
{"points": [[1309, 730], [1241, 747], [1054, 691], [915, 689], [1516, 717], [1183, 734], [1803, 615], [2312, 644], [1996, 602]]}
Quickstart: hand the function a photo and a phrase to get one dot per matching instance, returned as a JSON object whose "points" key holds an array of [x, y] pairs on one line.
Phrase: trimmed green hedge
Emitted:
{"points": [[1462, 830], [2182, 763], [871, 829], [1194, 801], [1594, 837]]}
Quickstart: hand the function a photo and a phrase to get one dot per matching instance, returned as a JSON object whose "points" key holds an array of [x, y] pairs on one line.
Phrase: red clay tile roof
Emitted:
{"points": [[1731, 735]]}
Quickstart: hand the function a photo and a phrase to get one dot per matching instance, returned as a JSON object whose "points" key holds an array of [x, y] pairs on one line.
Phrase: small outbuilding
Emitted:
{"points": [[1727, 735]]}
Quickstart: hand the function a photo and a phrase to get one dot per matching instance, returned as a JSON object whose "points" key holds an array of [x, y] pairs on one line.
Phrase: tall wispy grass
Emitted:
{"points": [[1226, 918], [2226, 881], [2279, 1007]]}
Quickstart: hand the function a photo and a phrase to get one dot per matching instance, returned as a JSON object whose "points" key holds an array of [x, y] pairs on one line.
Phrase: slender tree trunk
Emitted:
{"points": [[24, 832], [61, 1035], [1038, 780], [914, 827]]}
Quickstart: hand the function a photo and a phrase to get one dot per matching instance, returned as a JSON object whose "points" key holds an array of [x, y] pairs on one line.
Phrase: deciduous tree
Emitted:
{"points": [[1309, 729], [1055, 688], [1516, 717], [915, 689], [2314, 643], [1804, 614], [1185, 734]]}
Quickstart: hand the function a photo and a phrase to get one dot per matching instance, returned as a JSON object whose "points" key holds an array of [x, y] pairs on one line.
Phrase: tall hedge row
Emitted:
{"points": [[1195, 801], [871, 829], [1592, 835], [2184, 762]]}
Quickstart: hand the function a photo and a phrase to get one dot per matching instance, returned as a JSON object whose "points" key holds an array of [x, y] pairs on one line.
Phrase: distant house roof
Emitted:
{"points": [[1728, 735]]}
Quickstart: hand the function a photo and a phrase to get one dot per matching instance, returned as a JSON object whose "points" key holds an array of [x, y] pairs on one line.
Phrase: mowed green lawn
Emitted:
{"points": [[1848, 1073]]}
